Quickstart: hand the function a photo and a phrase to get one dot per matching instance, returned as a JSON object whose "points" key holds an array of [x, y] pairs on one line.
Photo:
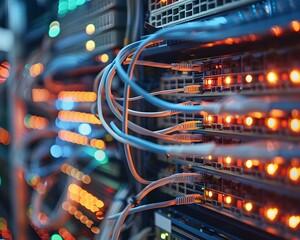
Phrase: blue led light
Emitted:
{"points": [[66, 151], [84, 129], [67, 105], [56, 151]]}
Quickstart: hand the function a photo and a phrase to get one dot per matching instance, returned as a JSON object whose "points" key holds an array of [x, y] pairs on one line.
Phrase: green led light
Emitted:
{"points": [[63, 5], [56, 237], [80, 2], [0, 181], [72, 5], [163, 236], [101, 157], [54, 31]]}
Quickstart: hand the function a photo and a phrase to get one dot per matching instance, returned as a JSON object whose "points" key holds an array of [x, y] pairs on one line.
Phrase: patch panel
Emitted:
{"points": [[261, 192], [168, 12], [257, 205]]}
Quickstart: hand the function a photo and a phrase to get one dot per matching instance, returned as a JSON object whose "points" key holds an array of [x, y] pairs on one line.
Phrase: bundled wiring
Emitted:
{"points": [[124, 67], [175, 178]]}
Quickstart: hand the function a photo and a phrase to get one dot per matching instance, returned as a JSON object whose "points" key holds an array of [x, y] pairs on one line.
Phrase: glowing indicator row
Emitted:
{"points": [[272, 123], [4, 136], [77, 96], [66, 234], [73, 137], [77, 138], [269, 213], [270, 168], [272, 77], [80, 216], [35, 122], [85, 198], [66, 6], [75, 173], [4, 71], [40, 95], [73, 116]]}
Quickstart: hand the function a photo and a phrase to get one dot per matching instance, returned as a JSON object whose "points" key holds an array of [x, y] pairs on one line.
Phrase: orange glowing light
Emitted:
{"points": [[271, 213], [272, 77], [209, 118], [272, 123], [86, 179], [277, 31], [295, 76], [248, 78], [293, 221], [104, 58], [99, 203], [4, 136], [4, 73], [210, 194], [277, 113], [228, 119], [249, 163], [40, 95], [209, 82], [295, 26], [99, 215], [77, 96], [248, 206], [228, 80], [95, 230], [228, 199], [209, 157], [249, 121], [228, 160], [73, 137], [90, 45], [98, 143], [35, 122], [36, 69], [90, 29], [85, 198], [294, 173], [73, 116], [295, 125], [272, 168]]}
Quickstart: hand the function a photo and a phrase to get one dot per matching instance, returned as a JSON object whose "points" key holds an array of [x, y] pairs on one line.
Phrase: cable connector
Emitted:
{"points": [[186, 67], [189, 125], [192, 89], [189, 199], [186, 177], [187, 137]]}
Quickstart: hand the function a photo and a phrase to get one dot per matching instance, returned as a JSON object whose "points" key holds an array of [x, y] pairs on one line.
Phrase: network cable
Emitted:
{"points": [[180, 200], [175, 178]]}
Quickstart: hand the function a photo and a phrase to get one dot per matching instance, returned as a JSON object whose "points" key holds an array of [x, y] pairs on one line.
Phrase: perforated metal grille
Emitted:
{"points": [[170, 12]]}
